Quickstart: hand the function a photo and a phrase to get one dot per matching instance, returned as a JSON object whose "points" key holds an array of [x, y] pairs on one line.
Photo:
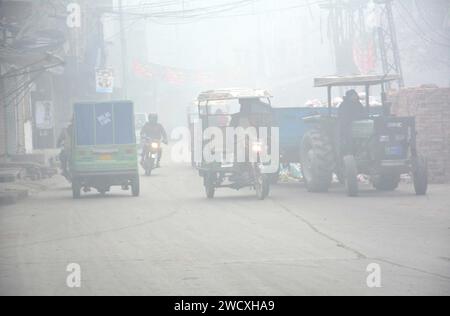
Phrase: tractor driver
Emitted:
{"points": [[350, 110]]}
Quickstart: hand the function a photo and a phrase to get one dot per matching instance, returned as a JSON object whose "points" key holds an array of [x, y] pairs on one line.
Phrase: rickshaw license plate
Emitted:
{"points": [[106, 157]]}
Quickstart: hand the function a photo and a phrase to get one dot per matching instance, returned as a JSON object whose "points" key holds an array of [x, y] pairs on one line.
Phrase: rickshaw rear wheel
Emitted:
{"points": [[135, 186], [262, 187], [210, 185], [76, 189]]}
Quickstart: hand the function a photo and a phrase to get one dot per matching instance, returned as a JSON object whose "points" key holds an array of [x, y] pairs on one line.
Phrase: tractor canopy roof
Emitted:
{"points": [[352, 81], [233, 94]]}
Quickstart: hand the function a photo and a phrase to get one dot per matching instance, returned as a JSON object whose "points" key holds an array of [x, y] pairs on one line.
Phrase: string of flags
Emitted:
{"points": [[171, 75], [105, 77]]}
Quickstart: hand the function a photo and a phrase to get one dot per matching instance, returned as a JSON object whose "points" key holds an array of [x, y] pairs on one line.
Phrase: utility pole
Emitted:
{"points": [[123, 45], [347, 20], [388, 43]]}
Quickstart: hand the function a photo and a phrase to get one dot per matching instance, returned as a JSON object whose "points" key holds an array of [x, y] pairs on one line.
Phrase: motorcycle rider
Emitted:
{"points": [[154, 131]]}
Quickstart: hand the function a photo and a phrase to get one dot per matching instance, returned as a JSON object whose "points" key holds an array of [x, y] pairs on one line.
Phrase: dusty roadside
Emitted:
{"points": [[12, 193]]}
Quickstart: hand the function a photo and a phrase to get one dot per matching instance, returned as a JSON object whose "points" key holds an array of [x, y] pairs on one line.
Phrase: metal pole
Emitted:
{"points": [[395, 48], [123, 44], [389, 49]]}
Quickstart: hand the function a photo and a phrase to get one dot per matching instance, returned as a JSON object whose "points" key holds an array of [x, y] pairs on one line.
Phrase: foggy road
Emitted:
{"points": [[173, 241]]}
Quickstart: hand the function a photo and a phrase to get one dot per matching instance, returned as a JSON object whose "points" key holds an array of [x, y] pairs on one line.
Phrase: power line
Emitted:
{"points": [[28, 72], [421, 11], [218, 8], [189, 19], [16, 71], [216, 11], [417, 30], [21, 88], [25, 93]]}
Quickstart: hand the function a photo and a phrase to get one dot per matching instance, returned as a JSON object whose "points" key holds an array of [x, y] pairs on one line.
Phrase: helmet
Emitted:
{"points": [[153, 118]]}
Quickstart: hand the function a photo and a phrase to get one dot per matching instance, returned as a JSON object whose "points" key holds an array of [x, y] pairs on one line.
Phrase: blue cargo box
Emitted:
{"points": [[293, 128], [104, 123]]}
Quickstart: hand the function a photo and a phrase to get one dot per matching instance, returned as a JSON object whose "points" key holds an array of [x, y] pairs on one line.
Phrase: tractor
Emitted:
{"points": [[383, 146]]}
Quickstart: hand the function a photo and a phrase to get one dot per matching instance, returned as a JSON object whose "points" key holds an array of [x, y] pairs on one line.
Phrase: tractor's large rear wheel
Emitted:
{"points": [[318, 161], [420, 175]]}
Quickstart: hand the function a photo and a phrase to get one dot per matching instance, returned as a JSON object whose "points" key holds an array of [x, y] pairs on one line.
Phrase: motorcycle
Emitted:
{"points": [[152, 151]]}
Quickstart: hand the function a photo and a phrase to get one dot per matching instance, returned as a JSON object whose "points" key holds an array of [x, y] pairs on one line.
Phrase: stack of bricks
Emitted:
{"points": [[431, 107], [3, 134]]}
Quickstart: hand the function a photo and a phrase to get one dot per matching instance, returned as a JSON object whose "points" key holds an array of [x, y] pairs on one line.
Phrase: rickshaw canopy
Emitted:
{"points": [[233, 94]]}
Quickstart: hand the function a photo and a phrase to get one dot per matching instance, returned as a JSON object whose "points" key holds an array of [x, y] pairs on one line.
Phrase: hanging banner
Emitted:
{"points": [[365, 54], [104, 79], [44, 115]]}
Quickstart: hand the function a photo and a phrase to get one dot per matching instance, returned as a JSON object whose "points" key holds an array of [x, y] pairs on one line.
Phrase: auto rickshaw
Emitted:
{"points": [[104, 151], [217, 111]]}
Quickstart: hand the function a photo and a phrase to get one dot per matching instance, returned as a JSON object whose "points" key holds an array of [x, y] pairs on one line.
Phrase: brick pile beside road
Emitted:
{"points": [[431, 107]]}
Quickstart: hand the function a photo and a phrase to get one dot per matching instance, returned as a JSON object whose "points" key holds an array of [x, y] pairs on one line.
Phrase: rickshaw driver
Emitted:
{"points": [[153, 130], [253, 113], [65, 142]]}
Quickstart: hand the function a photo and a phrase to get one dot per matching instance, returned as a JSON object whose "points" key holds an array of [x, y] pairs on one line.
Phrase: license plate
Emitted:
{"points": [[106, 157], [394, 151]]}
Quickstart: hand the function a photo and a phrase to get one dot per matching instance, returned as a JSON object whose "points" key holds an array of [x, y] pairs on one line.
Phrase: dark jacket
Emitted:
{"points": [[350, 111], [154, 132]]}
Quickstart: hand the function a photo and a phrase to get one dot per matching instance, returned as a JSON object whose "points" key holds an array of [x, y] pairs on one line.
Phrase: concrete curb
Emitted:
{"points": [[9, 197], [12, 193]]}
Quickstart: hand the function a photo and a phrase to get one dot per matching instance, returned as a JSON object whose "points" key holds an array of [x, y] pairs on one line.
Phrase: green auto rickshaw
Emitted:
{"points": [[104, 151]]}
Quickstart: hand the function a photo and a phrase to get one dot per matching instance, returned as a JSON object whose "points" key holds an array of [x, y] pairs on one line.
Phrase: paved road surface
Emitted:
{"points": [[172, 241]]}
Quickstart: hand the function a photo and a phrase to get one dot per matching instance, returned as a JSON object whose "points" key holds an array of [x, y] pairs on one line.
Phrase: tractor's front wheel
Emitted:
{"points": [[351, 176], [317, 160]]}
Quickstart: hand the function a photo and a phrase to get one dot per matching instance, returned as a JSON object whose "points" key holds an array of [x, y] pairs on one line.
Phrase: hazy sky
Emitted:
{"points": [[282, 48]]}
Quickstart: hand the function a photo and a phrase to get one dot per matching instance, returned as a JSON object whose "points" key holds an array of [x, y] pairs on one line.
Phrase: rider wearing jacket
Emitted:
{"points": [[154, 131]]}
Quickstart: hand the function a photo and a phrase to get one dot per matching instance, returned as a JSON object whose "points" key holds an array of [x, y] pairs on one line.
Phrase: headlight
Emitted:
{"points": [[384, 139], [155, 145], [257, 147]]}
